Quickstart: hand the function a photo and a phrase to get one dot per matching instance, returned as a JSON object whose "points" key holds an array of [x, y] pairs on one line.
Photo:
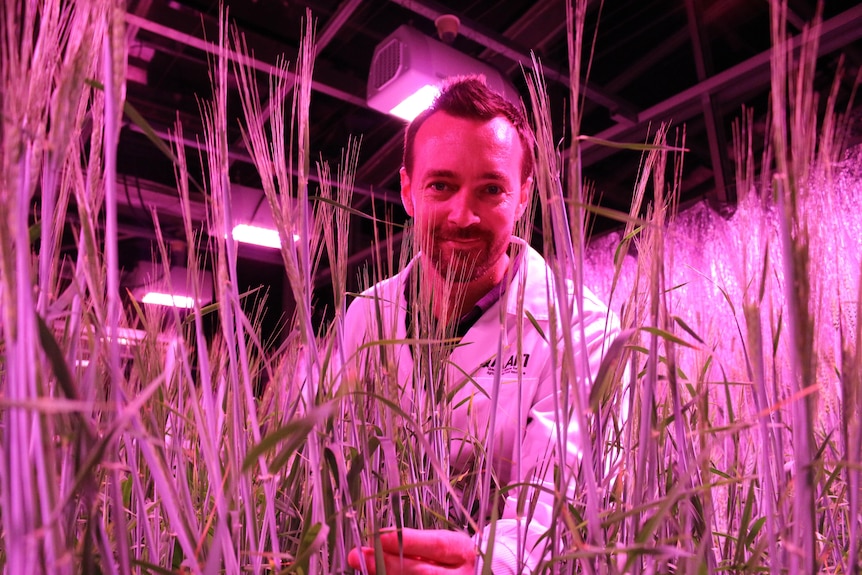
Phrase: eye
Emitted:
{"points": [[439, 186], [494, 190]]}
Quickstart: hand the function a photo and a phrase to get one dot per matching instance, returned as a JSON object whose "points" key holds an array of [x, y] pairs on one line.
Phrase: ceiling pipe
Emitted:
{"points": [[251, 62], [333, 26], [714, 131], [383, 155], [835, 33], [535, 22], [244, 157], [468, 29]]}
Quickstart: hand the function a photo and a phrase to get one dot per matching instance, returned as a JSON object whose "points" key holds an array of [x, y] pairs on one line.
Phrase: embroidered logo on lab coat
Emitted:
{"points": [[508, 368]]}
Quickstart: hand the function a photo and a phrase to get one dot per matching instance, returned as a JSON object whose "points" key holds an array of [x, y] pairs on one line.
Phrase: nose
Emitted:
{"points": [[462, 211]]}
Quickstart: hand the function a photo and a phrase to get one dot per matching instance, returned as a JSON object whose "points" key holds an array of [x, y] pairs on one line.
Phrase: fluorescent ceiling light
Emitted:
{"points": [[258, 236], [166, 299], [252, 218], [412, 105], [152, 285]]}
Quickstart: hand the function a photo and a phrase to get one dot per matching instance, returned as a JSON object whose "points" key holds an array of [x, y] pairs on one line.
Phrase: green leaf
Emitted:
{"points": [[535, 325], [609, 213], [764, 273], [56, 359], [355, 212], [354, 475], [744, 520], [776, 338], [630, 145], [394, 481], [623, 246], [667, 336], [755, 529], [604, 377], [35, 232], [311, 541], [294, 433], [150, 568], [687, 329], [720, 473]]}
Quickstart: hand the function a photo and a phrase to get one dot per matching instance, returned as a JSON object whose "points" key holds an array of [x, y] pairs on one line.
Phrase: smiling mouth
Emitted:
{"points": [[461, 242]]}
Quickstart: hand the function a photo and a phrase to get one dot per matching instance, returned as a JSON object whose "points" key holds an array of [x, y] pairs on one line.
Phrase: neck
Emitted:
{"points": [[450, 300]]}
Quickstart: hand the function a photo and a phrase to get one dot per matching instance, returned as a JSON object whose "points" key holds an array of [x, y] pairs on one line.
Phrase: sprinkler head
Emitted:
{"points": [[447, 27]]}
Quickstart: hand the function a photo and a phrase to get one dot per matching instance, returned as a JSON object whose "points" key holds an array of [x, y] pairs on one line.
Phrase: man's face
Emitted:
{"points": [[465, 194]]}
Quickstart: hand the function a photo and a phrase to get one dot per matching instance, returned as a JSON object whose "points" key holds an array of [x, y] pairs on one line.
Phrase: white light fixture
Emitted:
{"points": [[166, 299], [253, 219], [407, 63], [151, 285], [412, 105], [256, 235]]}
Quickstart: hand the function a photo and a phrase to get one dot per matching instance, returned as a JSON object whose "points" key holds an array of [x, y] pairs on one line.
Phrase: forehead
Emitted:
{"points": [[466, 138]]}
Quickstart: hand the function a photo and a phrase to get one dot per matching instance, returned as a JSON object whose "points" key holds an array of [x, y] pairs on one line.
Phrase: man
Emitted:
{"points": [[471, 331]]}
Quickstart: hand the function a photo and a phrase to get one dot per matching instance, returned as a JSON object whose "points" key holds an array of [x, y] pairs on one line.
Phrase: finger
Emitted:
{"points": [[407, 565], [354, 559], [439, 546], [395, 564]]}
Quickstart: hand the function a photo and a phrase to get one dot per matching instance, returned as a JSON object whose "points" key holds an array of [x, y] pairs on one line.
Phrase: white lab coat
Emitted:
{"points": [[525, 428]]}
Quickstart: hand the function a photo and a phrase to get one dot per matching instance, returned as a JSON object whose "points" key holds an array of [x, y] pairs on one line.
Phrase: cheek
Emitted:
{"points": [[502, 219], [424, 222], [426, 213]]}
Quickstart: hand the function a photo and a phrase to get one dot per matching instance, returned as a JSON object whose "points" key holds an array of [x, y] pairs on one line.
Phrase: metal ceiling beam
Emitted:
{"points": [[661, 51], [393, 146], [242, 156], [675, 41], [211, 48], [140, 9], [540, 24], [333, 26], [714, 131], [502, 45], [380, 158], [753, 73], [164, 202]]}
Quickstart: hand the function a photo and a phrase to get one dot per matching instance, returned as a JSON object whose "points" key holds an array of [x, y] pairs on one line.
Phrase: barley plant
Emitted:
{"points": [[723, 432]]}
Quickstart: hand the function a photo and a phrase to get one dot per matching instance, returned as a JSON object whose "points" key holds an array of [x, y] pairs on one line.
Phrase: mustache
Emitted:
{"points": [[469, 233]]}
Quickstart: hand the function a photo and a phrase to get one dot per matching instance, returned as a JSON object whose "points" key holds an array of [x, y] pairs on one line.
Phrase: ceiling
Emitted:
{"points": [[693, 63]]}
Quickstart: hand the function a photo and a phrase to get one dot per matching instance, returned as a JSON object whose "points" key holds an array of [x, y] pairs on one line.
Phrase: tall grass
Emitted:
{"points": [[724, 426]]}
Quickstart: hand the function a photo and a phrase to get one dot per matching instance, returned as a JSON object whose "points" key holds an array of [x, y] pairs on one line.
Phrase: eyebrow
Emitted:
{"points": [[439, 174], [492, 175]]}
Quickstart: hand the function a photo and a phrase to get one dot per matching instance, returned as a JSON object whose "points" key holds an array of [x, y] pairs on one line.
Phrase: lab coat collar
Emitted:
{"points": [[533, 273]]}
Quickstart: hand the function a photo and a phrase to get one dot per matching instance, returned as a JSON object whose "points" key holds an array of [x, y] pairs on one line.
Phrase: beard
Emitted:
{"points": [[480, 252]]}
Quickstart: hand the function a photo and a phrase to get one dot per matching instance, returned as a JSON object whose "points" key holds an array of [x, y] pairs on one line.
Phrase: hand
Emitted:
{"points": [[425, 552]]}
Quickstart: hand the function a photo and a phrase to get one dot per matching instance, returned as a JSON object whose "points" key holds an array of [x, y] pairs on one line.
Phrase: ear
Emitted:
{"points": [[406, 192], [526, 194]]}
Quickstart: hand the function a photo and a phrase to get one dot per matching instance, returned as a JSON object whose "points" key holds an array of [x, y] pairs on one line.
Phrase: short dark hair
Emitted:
{"points": [[470, 97]]}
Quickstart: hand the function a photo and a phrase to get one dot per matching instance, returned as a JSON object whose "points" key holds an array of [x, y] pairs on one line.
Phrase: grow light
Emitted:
{"points": [[408, 68], [166, 299], [151, 285], [258, 236]]}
